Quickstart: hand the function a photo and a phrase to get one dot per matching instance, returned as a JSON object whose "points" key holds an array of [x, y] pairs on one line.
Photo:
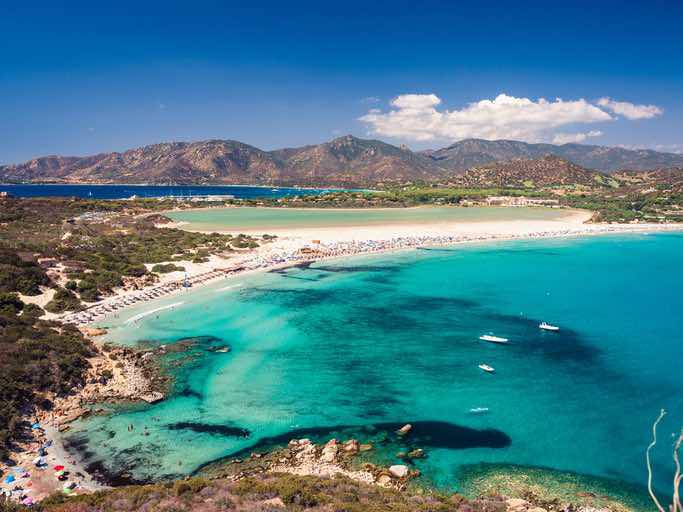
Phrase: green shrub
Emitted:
{"points": [[10, 304], [166, 268], [17, 275], [34, 357], [64, 300]]}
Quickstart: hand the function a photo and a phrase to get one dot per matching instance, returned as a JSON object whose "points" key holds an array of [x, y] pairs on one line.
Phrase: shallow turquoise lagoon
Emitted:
{"points": [[250, 219], [364, 343]]}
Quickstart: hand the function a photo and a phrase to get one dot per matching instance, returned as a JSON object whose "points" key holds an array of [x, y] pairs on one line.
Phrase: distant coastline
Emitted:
{"points": [[117, 191]]}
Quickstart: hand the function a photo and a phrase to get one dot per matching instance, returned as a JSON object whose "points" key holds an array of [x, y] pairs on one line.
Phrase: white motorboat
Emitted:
{"points": [[479, 410], [487, 368], [493, 339], [547, 327]]}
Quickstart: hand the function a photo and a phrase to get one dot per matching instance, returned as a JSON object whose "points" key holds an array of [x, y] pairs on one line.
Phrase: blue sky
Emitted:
{"points": [[88, 78]]}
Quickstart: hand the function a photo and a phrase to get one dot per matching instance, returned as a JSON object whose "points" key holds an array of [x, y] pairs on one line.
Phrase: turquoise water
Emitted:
{"points": [[394, 338], [227, 219]]}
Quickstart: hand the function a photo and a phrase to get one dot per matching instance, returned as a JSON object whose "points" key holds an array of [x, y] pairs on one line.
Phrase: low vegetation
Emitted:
{"points": [[98, 244], [161, 268], [266, 493], [36, 357], [17, 275]]}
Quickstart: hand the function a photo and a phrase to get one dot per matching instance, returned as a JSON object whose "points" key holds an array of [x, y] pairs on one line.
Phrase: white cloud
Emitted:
{"points": [[566, 138], [416, 101], [415, 117], [629, 110], [370, 99], [670, 148]]}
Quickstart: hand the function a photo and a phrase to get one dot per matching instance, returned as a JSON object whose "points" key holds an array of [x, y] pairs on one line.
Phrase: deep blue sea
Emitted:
{"points": [[126, 191], [359, 346]]}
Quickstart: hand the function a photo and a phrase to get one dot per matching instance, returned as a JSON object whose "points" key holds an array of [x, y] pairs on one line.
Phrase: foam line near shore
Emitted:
{"points": [[151, 312], [226, 288]]}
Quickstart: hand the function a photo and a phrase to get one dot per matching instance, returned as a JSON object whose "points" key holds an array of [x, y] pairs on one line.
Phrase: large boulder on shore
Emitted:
{"points": [[329, 453], [351, 446], [517, 505], [399, 470], [93, 331]]}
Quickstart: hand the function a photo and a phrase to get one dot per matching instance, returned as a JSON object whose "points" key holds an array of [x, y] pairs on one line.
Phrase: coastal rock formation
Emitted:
{"points": [[114, 375], [329, 452], [93, 331], [399, 471], [301, 457]]}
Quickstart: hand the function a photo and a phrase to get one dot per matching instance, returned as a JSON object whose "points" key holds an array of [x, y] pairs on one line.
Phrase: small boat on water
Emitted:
{"points": [[493, 339], [547, 327], [487, 368], [479, 410]]}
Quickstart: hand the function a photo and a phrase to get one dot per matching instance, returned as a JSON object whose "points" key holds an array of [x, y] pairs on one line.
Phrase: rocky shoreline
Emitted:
{"points": [[116, 375], [339, 460], [302, 457]]}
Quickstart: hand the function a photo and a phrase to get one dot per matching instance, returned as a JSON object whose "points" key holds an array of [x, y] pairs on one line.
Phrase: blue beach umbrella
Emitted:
{"points": [[9, 479]]}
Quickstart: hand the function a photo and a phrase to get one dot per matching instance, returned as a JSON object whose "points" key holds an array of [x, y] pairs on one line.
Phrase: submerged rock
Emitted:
{"points": [[418, 453], [153, 397], [220, 349]]}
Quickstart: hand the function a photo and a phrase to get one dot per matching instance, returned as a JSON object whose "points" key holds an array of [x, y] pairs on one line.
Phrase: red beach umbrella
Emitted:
{"points": [[59, 468]]}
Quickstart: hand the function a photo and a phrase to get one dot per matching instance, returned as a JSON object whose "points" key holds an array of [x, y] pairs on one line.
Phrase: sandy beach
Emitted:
{"points": [[306, 244]]}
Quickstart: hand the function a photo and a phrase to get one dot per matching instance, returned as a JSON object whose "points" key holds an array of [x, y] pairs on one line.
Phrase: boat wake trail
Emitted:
{"points": [[151, 312]]}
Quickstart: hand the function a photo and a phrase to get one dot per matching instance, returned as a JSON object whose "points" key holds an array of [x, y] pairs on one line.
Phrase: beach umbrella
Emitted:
{"points": [[38, 460], [35, 426], [59, 467], [28, 501], [9, 479]]}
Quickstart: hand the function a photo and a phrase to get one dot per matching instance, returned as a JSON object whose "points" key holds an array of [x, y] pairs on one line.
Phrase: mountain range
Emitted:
{"points": [[345, 161]]}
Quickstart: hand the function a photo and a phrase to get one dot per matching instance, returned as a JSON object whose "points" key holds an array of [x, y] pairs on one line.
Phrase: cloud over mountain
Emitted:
{"points": [[629, 110], [565, 138], [417, 117]]}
